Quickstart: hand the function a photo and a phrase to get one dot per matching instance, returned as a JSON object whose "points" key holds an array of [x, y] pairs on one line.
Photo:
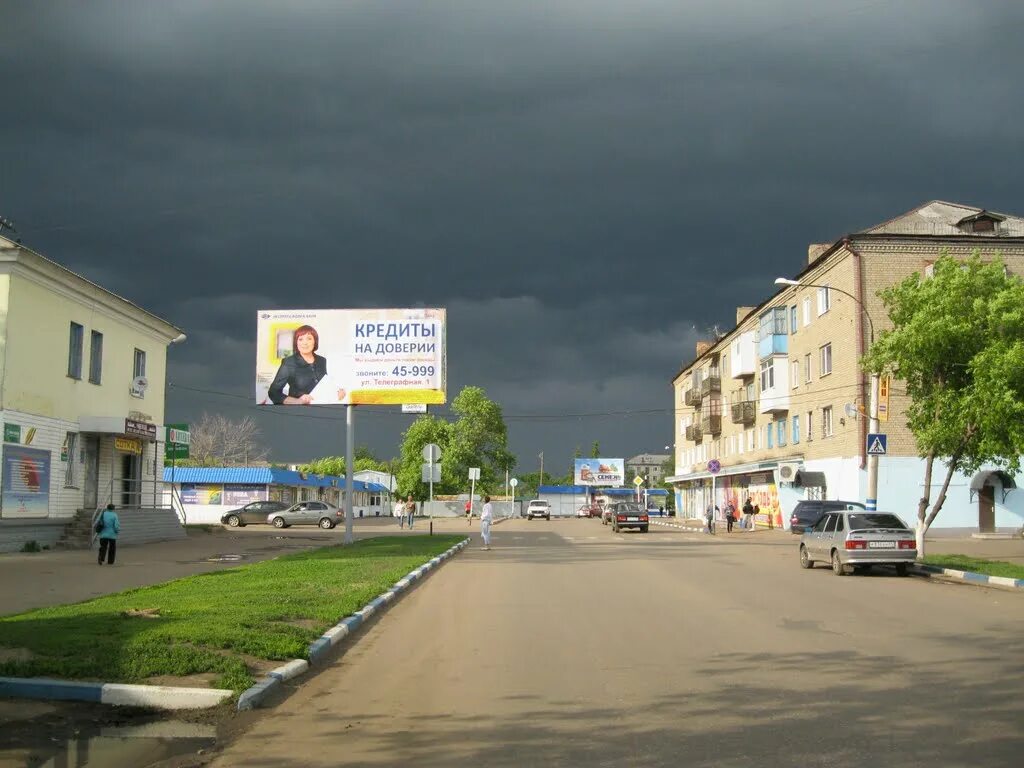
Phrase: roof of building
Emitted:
{"points": [[566, 489], [261, 476], [648, 458]]}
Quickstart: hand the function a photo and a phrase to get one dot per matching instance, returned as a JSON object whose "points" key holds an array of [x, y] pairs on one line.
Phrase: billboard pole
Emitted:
{"points": [[349, 475]]}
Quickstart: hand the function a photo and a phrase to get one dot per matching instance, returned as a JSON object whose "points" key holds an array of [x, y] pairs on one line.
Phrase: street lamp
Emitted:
{"points": [[871, 502]]}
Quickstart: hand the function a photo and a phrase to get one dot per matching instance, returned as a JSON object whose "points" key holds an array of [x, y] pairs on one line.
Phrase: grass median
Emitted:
{"points": [[976, 565], [220, 627]]}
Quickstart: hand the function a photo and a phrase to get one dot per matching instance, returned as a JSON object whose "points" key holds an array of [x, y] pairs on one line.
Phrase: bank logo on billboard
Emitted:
{"points": [[350, 356], [599, 472]]}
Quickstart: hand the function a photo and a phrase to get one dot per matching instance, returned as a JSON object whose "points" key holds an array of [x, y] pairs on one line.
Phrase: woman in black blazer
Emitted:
{"points": [[301, 371]]}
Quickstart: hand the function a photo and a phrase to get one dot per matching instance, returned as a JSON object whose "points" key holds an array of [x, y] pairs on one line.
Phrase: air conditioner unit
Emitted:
{"points": [[788, 470]]}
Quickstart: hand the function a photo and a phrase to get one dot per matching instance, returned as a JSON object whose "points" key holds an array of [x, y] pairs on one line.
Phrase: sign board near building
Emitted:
{"points": [[350, 356], [26, 482], [599, 472], [128, 445], [12, 433], [143, 429], [177, 441]]}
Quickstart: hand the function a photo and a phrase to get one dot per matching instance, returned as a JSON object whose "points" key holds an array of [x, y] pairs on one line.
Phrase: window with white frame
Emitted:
{"points": [[824, 300], [792, 319], [826, 421], [796, 428], [767, 375], [796, 374], [95, 357], [807, 311], [70, 450], [769, 433], [809, 426], [139, 367], [75, 341], [825, 360], [807, 368]]}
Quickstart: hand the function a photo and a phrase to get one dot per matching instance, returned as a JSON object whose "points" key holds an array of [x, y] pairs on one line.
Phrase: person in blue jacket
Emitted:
{"points": [[111, 526]]}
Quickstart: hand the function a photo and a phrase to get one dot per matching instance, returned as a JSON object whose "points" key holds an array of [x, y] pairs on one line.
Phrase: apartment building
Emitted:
{"points": [[774, 409], [82, 404], [647, 465]]}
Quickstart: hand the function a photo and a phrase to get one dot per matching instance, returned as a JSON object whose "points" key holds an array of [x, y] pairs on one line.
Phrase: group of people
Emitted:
{"points": [[405, 511], [750, 511]]}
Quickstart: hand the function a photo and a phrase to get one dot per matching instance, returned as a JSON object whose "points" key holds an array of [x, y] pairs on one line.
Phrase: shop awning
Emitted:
{"points": [[1005, 480], [806, 479]]}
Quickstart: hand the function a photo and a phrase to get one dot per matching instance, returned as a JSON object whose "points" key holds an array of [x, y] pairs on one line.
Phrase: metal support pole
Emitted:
{"points": [[349, 475], [430, 507], [871, 502]]}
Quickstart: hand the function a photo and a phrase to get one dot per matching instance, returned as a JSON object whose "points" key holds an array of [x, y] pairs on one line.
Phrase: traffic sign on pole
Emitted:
{"points": [[877, 444]]}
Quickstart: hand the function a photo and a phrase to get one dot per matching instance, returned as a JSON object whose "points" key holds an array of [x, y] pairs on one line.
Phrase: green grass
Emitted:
{"points": [[976, 565], [210, 623]]}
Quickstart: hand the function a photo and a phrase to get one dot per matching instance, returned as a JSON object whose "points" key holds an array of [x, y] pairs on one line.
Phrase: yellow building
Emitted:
{"points": [[776, 406], [82, 404]]}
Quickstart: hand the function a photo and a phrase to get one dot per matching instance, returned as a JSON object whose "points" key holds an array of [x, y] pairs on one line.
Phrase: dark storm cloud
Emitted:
{"points": [[587, 186]]}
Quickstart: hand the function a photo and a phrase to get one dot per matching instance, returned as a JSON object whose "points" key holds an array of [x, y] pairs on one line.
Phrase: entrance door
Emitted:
{"points": [[131, 480], [987, 509], [91, 481]]}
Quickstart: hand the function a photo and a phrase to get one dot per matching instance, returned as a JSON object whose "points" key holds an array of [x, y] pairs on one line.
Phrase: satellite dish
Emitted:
{"points": [[851, 410], [139, 384]]}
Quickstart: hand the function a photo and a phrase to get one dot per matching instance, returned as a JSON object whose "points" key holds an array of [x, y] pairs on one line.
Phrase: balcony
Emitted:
{"points": [[711, 383], [692, 397], [711, 425], [694, 433], [743, 356], [744, 412]]}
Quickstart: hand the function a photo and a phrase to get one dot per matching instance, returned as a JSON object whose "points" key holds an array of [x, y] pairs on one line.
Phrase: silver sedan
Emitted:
{"points": [[307, 513], [858, 539]]}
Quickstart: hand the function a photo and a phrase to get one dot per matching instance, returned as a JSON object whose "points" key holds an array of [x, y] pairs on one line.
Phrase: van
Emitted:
{"points": [[809, 511]]}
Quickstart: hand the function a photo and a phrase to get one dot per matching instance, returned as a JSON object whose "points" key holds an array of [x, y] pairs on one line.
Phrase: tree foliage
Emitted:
{"points": [[958, 344], [364, 459], [217, 441]]}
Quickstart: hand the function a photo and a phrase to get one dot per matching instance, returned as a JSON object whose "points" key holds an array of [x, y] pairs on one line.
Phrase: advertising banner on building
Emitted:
{"points": [[240, 495], [350, 356], [201, 493], [26, 482], [599, 472]]}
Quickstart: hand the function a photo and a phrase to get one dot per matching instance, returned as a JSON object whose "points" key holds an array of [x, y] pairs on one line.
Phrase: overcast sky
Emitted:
{"points": [[588, 187]]}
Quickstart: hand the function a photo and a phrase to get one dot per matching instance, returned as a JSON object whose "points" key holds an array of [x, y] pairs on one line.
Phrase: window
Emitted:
{"points": [[780, 435], [807, 368], [824, 300], [825, 361], [769, 434], [95, 357], [792, 319], [796, 374], [826, 421], [751, 394], [139, 369], [807, 311], [75, 351], [767, 375], [808, 429], [830, 525], [796, 429], [70, 450]]}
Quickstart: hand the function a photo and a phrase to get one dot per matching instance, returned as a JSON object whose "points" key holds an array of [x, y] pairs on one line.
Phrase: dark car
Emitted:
{"points": [[809, 511], [627, 514], [252, 513]]}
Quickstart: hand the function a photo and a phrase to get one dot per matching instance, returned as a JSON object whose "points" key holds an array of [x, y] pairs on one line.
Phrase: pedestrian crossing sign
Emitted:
{"points": [[878, 444]]}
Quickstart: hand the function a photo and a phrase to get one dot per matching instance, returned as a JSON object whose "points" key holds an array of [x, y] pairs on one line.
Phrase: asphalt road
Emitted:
{"points": [[568, 645]]}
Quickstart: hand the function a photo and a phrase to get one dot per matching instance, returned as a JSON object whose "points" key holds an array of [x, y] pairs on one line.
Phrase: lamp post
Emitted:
{"points": [[871, 502]]}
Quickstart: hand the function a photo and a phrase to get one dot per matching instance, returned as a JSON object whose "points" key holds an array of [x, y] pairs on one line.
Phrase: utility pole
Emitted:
{"points": [[541, 470]]}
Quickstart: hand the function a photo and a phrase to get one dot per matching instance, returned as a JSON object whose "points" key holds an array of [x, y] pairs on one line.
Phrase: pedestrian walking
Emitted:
{"points": [[709, 518], [757, 511], [730, 516], [748, 515], [410, 510], [469, 512], [107, 527], [486, 516], [399, 512]]}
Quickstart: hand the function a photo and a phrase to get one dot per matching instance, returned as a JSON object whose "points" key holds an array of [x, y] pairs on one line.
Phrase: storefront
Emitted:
{"points": [[734, 485]]}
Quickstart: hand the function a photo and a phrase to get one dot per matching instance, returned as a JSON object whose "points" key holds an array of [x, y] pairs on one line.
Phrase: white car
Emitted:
{"points": [[538, 508]]}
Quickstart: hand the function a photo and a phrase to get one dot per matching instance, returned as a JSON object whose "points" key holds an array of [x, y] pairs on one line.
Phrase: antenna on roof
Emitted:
{"points": [[8, 224]]}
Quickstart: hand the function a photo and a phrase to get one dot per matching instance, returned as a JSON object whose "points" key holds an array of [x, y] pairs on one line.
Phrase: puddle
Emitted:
{"points": [[225, 558], [116, 746]]}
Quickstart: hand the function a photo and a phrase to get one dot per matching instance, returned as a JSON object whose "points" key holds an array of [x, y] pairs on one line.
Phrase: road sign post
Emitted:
{"points": [[714, 467], [432, 454], [474, 475], [513, 483]]}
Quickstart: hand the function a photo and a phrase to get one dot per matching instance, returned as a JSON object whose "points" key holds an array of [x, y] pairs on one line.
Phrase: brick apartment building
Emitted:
{"points": [[779, 400]]}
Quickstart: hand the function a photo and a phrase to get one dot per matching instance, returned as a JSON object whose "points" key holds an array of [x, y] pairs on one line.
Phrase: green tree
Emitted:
{"points": [[958, 343], [595, 450], [478, 438], [364, 459], [426, 429]]}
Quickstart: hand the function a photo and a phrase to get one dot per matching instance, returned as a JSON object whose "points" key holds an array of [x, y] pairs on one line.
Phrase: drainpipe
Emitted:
{"points": [[859, 292]]}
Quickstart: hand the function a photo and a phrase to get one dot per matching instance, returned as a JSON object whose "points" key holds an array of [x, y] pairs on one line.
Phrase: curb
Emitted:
{"points": [[320, 648], [968, 577], [117, 694]]}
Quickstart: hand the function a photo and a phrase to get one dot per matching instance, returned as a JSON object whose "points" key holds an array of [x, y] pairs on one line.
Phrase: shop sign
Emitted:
{"points": [[12, 433], [761, 479], [140, 429], [128, 445], [177, 441]]}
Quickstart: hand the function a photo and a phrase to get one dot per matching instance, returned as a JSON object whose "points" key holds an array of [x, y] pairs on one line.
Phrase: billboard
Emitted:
{"points": [[350, 356], [599, 472], [26, 482]]}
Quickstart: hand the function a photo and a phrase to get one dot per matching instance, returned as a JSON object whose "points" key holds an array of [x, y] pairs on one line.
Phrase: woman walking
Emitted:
{"points": [[486, 515], [108, 525]]}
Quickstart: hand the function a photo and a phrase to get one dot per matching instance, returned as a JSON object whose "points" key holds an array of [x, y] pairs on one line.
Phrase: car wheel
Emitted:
{"points": [[837, 566], [279, 522], [326, 523], [233, 521], [902, 569], [805, 560], [643, 530]]}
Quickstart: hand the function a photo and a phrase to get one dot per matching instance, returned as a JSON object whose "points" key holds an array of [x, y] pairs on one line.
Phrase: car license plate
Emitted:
{"points": [[632, 519], [881, 545]]}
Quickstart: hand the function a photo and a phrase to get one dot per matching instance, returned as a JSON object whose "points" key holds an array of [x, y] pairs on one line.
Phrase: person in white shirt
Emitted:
{"points": [[486, 515], [399, 512]]}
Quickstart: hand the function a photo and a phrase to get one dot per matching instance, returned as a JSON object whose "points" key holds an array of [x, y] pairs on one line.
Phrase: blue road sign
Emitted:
{"points": [[878, 444]]}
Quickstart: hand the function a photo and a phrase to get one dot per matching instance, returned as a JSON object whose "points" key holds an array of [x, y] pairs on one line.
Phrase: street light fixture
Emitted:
{"points": [[871, 502]]}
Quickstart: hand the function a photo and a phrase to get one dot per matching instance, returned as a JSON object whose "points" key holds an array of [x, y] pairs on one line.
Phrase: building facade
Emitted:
{"points": [[648, 466], [774, 410], [81, 401]]}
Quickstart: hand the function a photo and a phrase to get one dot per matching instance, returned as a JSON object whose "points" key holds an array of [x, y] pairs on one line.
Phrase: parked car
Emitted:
{"points": [[589, 510], [307, 513], [858, 539], [628, 514], [809, 511], [256, 512], [538, 508]]}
